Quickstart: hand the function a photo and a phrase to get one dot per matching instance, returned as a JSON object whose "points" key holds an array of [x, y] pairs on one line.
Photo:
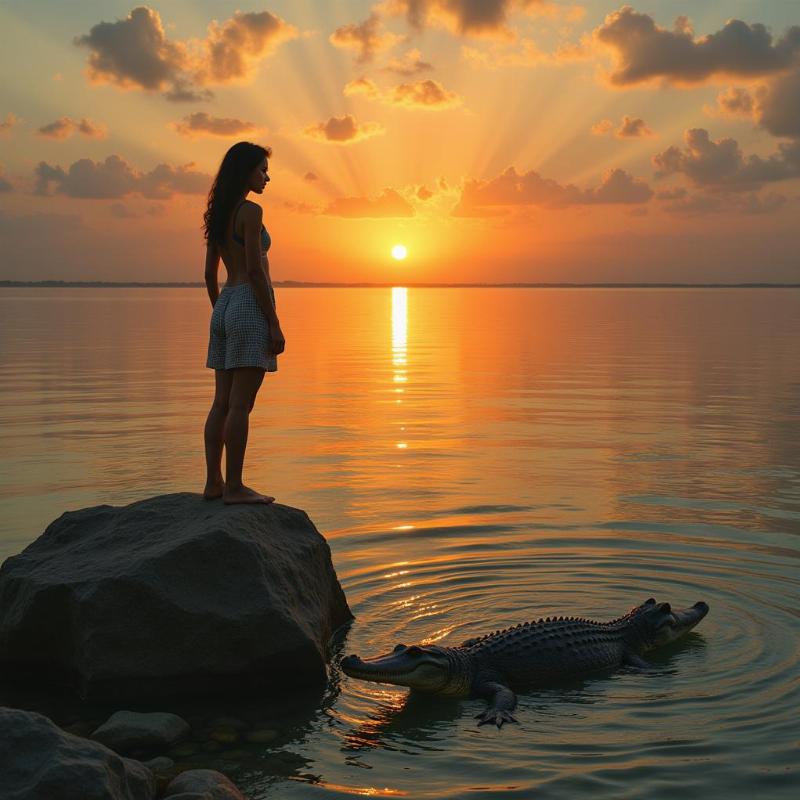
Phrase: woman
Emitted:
{"points": [[246, 336]]}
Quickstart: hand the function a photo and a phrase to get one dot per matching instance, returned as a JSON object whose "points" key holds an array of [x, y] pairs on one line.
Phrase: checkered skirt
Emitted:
{"points": [[239, 331]]}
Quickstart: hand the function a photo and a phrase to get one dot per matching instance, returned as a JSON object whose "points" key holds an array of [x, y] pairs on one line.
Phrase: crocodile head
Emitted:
{"points": [[653, 624], [424, 668]]}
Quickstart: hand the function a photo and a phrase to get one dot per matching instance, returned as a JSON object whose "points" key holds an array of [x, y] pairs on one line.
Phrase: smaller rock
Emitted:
{"points": [[39, 761], [197, 782], [261, 736], [229, 722], [129, 731], [225, 735], [159, 764]]}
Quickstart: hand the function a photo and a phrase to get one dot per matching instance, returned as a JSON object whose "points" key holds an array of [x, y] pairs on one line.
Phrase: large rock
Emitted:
{"points": [[39, 761], [207, 783], [172, 595], [131, 732]]}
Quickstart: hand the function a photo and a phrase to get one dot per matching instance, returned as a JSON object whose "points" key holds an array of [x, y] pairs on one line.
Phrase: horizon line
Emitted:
{"points": [[415, 285]]}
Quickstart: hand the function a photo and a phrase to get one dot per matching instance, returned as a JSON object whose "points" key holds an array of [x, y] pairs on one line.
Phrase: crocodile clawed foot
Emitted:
{"points": [[496, 716]]}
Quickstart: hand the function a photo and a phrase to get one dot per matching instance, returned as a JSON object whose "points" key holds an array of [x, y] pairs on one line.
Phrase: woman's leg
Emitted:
{"points": [[246, 383], [213, 433]]}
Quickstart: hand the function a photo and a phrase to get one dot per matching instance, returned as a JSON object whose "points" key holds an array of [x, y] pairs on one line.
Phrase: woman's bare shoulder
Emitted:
{"points": [[251, 212]]}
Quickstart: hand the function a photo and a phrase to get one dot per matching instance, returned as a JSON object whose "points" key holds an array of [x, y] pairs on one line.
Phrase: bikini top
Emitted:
{"points": [[265, 238]]}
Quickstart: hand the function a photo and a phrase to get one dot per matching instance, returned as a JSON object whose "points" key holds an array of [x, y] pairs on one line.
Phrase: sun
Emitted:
{"points": [[399, 252]]}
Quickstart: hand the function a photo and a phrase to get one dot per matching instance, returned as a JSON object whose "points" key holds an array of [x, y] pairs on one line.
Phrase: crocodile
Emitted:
{"points": [[530, 654]]}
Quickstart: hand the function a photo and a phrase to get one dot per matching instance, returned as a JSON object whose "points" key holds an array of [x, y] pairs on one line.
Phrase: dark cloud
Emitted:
{"points": [[115, 178], [10, 121], [5, 186], [64, 127], [201, 124], [411, 64], [643, 51], [343, 130], [365, 38], [513, 189], [388, 204], [721, 165], [778, 105], [310, 177], [465, 17], [135, 52]]}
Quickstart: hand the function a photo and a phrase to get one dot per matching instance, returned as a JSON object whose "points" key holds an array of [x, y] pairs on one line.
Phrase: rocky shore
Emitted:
{"points": [[173, 597]]}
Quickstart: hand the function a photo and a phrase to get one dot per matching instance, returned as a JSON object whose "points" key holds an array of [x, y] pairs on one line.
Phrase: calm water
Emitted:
{"points": [[476, 458]]}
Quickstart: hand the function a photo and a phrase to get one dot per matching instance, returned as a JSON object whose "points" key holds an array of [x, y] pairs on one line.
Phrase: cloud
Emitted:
{"points": [[115, 178], [234, 47], [388, 204], [632, 128], [513, 189], [523, 52], [703, 203], [64, 127], [409, 65], [201, 124], [774, 105], [424, 193], [135, 52], [10, 121], [778, 105], [642, 51], [362, 86], [310, 177], [343, 130], [487, 18], [602, 128], [366, 38], [733, 102], [721, 165], [426, 94]]}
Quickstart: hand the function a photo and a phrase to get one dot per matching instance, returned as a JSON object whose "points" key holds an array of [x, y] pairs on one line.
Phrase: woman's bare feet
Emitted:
{"points": [[214, 489], [244, 494]]}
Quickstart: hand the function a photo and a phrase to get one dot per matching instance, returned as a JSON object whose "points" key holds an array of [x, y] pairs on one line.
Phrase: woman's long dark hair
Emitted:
{"points": [[229, 185]]}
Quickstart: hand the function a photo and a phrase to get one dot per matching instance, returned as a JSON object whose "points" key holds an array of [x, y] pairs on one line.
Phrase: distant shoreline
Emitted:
{"points": [[416, 285]]}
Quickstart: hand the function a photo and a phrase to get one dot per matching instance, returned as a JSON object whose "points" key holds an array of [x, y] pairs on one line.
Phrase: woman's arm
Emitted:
{"points": [[212, 268], [251, 215]]}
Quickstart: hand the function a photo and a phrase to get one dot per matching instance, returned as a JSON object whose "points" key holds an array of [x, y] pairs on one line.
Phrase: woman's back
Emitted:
{"points": [[233, 250]]}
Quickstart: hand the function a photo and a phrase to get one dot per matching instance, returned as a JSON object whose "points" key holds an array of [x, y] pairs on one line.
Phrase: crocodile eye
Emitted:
{"points": [[398, 648], [414, 650]]}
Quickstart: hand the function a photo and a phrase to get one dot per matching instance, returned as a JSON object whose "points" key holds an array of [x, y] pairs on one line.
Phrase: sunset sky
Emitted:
{"points": [[498, 140]]}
